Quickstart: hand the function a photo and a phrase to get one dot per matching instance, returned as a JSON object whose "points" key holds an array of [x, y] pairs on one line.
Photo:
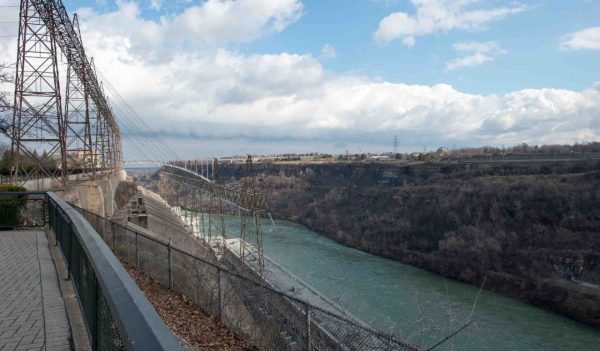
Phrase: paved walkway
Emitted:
{"points": [[32, 310]]}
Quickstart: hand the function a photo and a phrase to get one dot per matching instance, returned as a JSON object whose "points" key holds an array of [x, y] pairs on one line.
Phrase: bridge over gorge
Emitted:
{"points": [[65, 134]]}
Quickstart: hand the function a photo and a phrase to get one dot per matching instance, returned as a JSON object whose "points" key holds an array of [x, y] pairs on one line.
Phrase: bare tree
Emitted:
{"points": [[5, 104], [5, 77]]}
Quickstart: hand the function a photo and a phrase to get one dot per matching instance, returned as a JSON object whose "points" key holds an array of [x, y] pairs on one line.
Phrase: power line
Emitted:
{"points": [[128, 121], [138, 129], [139, 132], [156, 142]]}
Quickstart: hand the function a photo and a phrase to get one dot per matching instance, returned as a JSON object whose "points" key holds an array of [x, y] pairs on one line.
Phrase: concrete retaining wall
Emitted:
{"points": [[96, 196]]}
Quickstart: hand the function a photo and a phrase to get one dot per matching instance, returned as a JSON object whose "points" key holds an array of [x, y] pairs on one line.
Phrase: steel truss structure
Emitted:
{"points": [[51, 137], [247, 201]]}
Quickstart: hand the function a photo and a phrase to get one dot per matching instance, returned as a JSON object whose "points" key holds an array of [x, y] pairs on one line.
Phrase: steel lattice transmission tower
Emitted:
{"points": [[251, 246], [38, 133], [48, 141]]}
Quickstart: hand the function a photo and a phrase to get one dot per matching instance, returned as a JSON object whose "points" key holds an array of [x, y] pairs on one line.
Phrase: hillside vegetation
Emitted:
{"points": [[531, 230]]}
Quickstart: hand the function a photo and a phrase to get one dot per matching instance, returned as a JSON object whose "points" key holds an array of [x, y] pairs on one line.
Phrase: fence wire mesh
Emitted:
{"points": [[267, 318], [21, 210]]}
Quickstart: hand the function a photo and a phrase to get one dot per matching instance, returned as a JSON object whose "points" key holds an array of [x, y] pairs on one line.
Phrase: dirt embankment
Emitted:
{"points": [[198, 329]]}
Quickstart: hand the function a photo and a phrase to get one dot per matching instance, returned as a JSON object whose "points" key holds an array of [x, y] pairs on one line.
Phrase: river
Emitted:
{"points": [[415, 304]]}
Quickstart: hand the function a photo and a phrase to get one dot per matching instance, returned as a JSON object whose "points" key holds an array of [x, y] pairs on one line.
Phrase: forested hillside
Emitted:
{"points": [[531, 230]]}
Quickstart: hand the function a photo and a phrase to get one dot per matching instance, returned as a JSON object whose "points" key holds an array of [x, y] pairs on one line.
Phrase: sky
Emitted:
{"points": [[224, 77]]}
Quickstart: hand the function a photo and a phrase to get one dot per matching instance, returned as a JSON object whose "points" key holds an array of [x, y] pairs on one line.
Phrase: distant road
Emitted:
{"points": [[586, 284]]}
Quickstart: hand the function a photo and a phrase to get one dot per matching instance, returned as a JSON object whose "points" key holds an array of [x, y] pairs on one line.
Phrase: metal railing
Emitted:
{"points": [[267, 318], [116, 312]]}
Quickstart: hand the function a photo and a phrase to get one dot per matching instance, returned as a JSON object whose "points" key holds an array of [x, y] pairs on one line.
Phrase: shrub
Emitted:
{"points": [[11, 205]]}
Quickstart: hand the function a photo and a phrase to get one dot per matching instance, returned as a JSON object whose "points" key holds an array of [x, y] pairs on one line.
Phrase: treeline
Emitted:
{"points": [[27, 163], [440, 154], [543, 149], [521, 149]]}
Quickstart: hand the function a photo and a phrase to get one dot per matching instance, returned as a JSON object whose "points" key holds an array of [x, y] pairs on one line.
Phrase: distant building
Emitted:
{"points": [[380, 157]]}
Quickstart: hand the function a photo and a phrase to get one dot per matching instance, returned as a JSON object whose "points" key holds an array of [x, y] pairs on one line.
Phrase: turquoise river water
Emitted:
{"points": [[415, 304]]}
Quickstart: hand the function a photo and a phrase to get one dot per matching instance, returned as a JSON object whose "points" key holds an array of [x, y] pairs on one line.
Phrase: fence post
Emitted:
{"points": [[70, 260], [114, 242], [52, 222], [95, 318], [307, 313], [44, 205], [169, 258], [219, 292], [137, 255]]}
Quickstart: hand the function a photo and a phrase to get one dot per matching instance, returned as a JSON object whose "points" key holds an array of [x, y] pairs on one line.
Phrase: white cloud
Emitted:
{"points": [[156, 4], [468, 61], [211, 23], [242, 20], [477, 46], [433, 16], [409, 41], [588, 38], [220, 94], [212, 98], [328, 52], [478, 53]]}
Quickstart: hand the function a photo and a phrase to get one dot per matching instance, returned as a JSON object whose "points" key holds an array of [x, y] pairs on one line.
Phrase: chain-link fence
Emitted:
{"points": [[239, 298], [22, 210]]}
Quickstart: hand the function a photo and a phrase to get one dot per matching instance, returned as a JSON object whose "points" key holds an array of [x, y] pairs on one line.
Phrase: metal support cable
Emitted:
{"points": [[144, 129], [135, 129]]}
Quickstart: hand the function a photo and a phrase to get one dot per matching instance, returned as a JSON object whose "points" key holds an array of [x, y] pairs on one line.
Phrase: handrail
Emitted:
{"points": [[23, 193], [139, 325], [357, 325]]}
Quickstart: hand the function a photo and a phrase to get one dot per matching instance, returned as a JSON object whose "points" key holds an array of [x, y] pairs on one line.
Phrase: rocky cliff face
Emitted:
{"points": [[529, 230]]}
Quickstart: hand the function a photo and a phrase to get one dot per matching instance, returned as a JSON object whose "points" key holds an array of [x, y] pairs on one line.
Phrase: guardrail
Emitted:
{"points": [[117, 314]]}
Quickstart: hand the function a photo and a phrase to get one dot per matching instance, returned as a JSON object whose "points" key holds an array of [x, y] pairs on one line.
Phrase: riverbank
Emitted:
{"points": [[528, 230], [421, 306], [567, 298]]}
